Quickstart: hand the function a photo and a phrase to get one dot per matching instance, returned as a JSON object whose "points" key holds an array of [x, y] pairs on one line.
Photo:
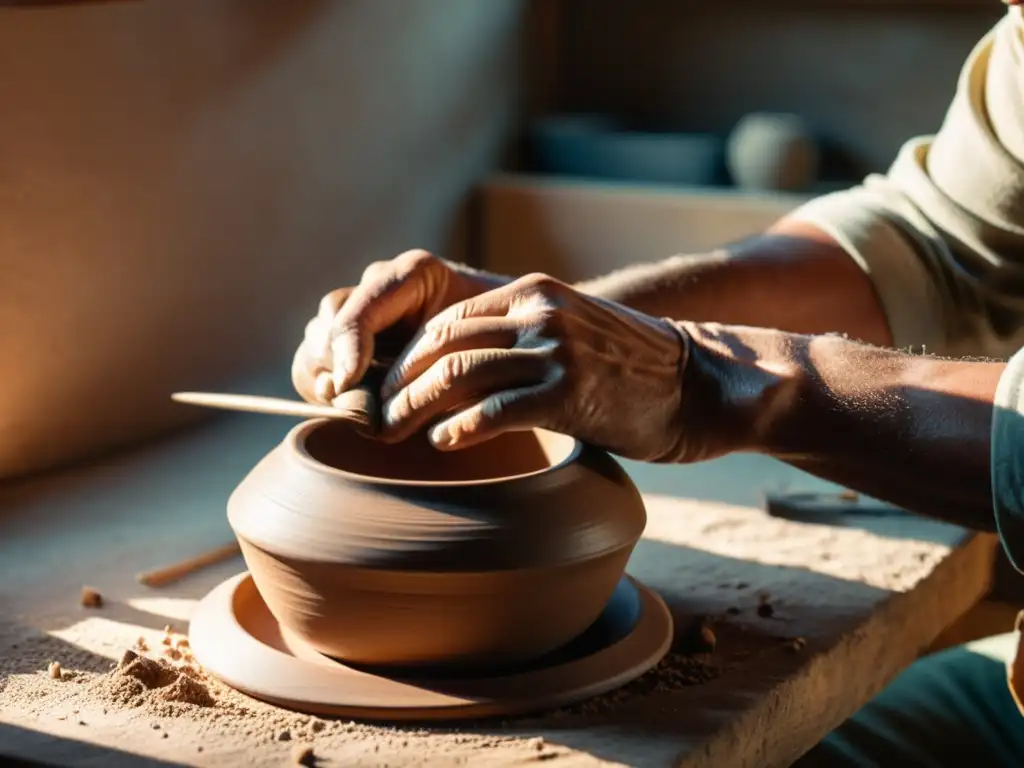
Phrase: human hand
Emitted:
{"points": [[392, 300], [538, 353]]}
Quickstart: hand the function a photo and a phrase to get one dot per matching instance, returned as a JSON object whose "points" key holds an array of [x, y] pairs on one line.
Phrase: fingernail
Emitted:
{"points": [[324, 387], [388, 411], [441, 437]]}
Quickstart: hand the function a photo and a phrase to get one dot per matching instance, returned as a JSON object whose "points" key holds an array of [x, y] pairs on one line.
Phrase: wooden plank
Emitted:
{"points": [[866, 598]]}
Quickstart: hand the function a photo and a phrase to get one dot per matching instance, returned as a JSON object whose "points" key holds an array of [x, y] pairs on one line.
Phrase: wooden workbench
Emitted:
{"points": [[866, 598]]}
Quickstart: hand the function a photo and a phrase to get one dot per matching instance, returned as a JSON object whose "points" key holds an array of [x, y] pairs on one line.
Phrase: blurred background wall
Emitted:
{"points": [[180, 180]]}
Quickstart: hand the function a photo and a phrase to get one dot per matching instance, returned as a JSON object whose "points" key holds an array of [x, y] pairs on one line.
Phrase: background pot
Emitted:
{"points": [[511, 550]]}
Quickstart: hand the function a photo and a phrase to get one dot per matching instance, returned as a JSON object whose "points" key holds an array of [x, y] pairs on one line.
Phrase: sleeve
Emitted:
{"points": [[941, 234], [1008, 460]]}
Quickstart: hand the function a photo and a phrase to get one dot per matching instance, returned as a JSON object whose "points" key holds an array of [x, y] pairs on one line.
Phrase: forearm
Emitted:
{"points": [[793, 277], [911, 430]]}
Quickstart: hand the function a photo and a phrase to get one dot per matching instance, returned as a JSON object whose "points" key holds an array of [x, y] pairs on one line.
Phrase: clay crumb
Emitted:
{"points": [[182, 642], [698, 637], [90, 598], [172, 653], [797, 644], [302, 754], [55, 670], [284, 736], [848, 495], [538, 744], [141, 644], [188, 690]]}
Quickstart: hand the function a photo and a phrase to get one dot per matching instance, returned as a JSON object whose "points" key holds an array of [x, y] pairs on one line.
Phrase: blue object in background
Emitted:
{"points": [[596, 146]]}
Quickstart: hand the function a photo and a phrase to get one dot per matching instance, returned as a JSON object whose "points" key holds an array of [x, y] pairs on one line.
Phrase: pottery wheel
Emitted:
{"points": [[235, 637]]}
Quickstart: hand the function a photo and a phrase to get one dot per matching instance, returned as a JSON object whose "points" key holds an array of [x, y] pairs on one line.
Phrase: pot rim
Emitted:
{"points": [[298, 435]]}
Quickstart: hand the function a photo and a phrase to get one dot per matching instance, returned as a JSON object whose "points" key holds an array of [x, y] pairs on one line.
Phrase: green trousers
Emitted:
{"points": [[949, 709]]}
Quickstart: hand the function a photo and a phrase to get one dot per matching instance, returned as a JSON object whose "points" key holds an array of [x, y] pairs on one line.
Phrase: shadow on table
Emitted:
{"points": [[779, 680], [49, 750]]}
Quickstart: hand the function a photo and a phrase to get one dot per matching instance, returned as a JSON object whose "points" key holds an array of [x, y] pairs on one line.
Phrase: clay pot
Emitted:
{"points": [[404, 555]]}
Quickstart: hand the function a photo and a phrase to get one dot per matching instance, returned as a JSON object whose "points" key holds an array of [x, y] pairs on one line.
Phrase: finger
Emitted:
{"points": [[455, 379], [313, 363], [305, 374], [317, 342], [510, 410], [499, 301], [430, 345], [332, 303], [374, 307]]}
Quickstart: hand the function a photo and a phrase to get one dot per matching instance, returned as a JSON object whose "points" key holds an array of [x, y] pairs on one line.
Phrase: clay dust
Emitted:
{"points": [[163, 695]]}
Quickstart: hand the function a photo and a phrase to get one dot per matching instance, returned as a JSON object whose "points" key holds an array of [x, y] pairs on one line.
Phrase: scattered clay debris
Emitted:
{"points": [[172, 653], [698, 637], [797, 644], [187, 690], [55, 670], [90, 598], [141, 644], [181, 642], [302, 754], [848, 495], [765, 609], [675, 671]]}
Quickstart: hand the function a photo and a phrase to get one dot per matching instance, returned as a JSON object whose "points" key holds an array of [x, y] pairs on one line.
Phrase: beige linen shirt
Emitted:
{"points": [[941, 235]]}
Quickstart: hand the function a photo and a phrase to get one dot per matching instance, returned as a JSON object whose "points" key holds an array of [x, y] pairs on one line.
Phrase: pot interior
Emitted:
{"points": [[512, 454]]}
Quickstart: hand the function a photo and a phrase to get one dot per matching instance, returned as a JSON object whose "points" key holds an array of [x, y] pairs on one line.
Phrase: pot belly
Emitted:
{"points": [[391, 618]]}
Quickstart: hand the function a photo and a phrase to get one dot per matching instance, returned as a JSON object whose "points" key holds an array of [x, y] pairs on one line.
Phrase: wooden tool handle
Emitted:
{"points": [[171, 573]]}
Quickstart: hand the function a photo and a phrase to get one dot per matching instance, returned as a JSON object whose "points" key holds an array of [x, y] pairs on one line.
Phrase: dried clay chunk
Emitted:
{"points": [[302, 754], [91, 598]]}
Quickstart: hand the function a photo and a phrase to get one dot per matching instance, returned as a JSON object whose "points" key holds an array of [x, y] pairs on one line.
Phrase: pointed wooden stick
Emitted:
{"points": [[161, 577]]}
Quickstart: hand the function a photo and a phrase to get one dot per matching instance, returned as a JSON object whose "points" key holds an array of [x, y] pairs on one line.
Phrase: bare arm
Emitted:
{"points": [[912, 430], [793, 277]]}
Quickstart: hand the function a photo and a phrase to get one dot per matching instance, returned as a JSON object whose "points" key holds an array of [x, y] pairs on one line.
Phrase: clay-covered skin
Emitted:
{"points": [[402, 554], [911, 430]]}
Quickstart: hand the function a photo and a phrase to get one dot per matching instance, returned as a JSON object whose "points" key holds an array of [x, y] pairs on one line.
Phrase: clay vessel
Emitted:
{"points": [[404, 555]]}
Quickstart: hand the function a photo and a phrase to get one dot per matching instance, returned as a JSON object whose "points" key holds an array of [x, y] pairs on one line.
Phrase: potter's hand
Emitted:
{"points": [[538, 353], [391, 301]]}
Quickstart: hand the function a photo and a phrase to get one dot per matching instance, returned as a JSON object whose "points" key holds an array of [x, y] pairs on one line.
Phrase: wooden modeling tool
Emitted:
{"points": [[357, 406], [169, 574]]}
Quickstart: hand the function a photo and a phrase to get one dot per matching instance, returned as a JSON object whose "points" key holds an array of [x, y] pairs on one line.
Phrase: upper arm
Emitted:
{"points": [[941, 235]]}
